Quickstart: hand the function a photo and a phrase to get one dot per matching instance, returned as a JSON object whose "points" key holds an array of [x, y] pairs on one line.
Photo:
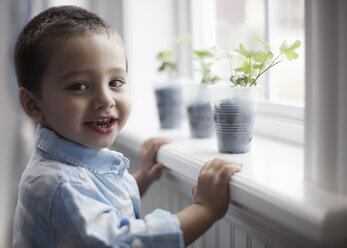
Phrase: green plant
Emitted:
{"points": [[256, 63], [206, 58], [167, 58], [167, 62]]}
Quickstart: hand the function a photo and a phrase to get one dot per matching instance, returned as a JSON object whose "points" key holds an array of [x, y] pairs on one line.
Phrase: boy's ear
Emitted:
{"points": [[29, 104]]}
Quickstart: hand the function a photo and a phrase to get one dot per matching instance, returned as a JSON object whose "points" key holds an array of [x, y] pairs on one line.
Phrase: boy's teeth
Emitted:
{"points": [[103, 122]]}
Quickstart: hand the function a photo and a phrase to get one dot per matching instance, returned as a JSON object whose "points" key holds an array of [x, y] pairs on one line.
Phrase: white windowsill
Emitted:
{"points": [[271, 184]]}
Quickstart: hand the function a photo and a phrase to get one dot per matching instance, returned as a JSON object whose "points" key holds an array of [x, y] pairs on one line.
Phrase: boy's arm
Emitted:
{"points": [[194, 221], [143, 182], [211, 196], [150, 169]]}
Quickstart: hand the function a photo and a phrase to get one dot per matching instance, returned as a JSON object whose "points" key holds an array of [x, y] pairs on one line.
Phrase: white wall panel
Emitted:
{"points": [[224, 234]]}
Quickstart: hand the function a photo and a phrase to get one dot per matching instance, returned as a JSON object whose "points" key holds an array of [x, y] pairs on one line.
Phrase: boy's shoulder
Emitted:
{"points": [[51, 170], [41, 179]]}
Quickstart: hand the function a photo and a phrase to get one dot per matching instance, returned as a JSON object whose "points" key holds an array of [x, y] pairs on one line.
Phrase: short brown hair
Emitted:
{"points": [[31, 53]]}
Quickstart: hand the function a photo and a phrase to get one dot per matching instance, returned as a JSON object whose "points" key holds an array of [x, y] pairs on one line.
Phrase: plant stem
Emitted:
{"points": [[271, 65], [262, 64], [231, 66], [250, 71]]}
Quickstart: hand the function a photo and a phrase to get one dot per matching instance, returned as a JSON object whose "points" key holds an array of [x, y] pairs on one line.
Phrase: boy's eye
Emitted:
{"points": [[78, 86], [116, 83]]}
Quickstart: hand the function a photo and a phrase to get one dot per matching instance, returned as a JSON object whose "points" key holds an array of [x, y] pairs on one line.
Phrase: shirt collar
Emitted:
{"points": [[96, 160]]}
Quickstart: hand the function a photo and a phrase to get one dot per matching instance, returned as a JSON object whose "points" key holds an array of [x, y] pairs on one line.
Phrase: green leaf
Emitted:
{"points": [[259, 56], [243, 51], [167, 66], [203, 54], [232, 79], [244, 68], [239, 80], [162, 67], [183, 40], [289, 50], [165, 55], [263, 43], [167, 61], [214, 79], [257, 66]]}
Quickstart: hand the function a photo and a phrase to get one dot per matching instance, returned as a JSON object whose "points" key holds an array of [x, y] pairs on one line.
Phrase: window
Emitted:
{"points": [[241, 21], [81, 3], [287, 81]]}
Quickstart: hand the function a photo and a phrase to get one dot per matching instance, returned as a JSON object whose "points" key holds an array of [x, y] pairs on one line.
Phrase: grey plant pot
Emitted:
{"points": [[170, 106], [234, 127], [200, 120], [234, 115], [198, 110]]}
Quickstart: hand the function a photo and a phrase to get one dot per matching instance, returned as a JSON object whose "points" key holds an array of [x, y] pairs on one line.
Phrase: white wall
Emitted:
{"points": [[148, 28], [7, 125], [16, 130]]}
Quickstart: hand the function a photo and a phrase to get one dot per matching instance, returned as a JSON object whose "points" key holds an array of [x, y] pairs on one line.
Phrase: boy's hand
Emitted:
{"points": [[150, 169], [212, 189], [211, 196]]}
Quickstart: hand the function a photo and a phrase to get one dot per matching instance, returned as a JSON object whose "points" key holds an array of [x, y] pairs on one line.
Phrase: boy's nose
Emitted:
{"points": [[103, 99]]}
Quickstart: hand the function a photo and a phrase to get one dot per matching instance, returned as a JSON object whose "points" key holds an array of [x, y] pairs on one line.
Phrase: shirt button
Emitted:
{"points": [[121, 165], [83, 176], [136, 243]]}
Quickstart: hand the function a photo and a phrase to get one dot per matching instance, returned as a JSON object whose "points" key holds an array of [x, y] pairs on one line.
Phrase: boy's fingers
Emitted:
{"points": [[157, 144], [228, 170], [151, 146], [221, 169], [156, 141], [156, 171], [235, 167], [205, 166], [218, 163]]}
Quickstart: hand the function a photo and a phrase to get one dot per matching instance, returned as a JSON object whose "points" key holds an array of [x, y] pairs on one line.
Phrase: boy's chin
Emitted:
{"points": [[99, 145]]}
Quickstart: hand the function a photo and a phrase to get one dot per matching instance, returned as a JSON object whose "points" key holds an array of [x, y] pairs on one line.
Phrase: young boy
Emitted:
{"points": [[72, 72]]}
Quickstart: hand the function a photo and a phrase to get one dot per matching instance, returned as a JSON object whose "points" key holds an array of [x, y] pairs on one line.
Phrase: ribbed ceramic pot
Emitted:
{"points": [[170, 105], [198, 110], [233, 111]]}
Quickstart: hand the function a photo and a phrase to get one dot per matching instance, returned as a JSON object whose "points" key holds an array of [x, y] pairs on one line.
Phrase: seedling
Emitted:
{"points": [[167, 62], [206, 58], [256, 63], [167, 58]]}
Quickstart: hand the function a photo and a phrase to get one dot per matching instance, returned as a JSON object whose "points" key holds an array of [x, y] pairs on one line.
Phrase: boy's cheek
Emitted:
{"points": [[127, 102], [125, 109]]}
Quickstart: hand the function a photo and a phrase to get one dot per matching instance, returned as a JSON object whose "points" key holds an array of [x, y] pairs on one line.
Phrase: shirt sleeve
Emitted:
{"points": [[84, 218]]}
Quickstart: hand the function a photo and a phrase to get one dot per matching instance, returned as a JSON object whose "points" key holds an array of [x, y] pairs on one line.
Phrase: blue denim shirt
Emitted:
{"points": [[73, 196]]}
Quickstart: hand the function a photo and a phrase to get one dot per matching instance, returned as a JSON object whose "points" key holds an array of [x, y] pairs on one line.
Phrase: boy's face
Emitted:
{"points": [[85, 95]]}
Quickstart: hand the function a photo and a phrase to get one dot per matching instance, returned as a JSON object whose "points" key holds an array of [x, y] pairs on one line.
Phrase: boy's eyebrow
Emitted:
{"points": [[117, 70]]}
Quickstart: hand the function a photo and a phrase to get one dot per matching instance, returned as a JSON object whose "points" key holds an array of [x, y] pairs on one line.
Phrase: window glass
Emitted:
{"points": [[81, 3], [241, 21], [286, 22]]}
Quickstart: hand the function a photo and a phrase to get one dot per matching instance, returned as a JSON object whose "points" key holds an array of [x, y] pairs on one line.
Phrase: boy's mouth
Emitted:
{"points": [[102, 125], [104, 122]]}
